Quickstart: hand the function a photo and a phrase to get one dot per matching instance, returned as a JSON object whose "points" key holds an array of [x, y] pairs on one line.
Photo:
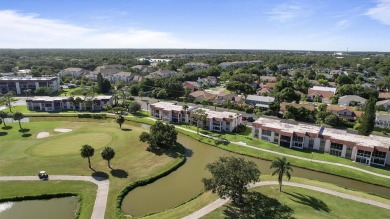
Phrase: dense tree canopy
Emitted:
{"points": [[230, 177], [161, 136]]}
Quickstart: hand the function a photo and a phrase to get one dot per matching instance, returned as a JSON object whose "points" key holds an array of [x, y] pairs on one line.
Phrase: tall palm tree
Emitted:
{"points": [[282, 168], [87, 151], [185, 108], [107, 154], [18, 116]]}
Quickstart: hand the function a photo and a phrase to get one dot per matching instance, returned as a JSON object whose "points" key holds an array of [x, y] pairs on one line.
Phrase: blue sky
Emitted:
{"points": [[359, 25]]}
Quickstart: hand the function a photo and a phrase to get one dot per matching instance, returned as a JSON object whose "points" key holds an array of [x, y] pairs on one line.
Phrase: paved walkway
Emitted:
{"points": [[243, 144], [220, 202], [99, 207]]}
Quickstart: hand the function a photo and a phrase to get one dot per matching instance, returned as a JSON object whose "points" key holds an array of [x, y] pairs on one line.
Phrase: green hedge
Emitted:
{"points": [[44, 197], [143, 182], [93, 116]]}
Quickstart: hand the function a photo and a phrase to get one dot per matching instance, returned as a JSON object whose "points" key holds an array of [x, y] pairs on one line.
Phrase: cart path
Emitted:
{"points": [[99, 207], [220, 202]]}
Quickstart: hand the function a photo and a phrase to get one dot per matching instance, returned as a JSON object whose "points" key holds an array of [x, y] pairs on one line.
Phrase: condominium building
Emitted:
{"points": [[215, 121], [49, 104], [369, 150], [19, 84]]}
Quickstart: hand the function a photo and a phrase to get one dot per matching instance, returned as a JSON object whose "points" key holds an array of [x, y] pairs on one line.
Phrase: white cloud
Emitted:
{"points": [[30, 31], [286, 12], [343, 24], [380, 12]]}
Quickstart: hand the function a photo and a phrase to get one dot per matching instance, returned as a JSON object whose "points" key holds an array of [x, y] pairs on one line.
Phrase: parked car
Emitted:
{"points": [[250, 119]]}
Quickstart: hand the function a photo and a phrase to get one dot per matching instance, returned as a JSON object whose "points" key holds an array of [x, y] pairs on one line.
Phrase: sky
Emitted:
{"points": [[316, 25]]}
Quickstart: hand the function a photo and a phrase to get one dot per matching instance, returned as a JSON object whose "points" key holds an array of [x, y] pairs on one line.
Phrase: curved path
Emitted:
{"points": [[99, 207], [219, 202], [289, 155]]}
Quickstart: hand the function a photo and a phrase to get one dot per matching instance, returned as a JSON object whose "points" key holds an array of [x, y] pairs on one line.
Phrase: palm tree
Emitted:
{"points": [[3, 115], [199, 116], [87, 151], [71, 100], [107, 154], [282, 168], [18, 116], [185, 108], [120, 120]]}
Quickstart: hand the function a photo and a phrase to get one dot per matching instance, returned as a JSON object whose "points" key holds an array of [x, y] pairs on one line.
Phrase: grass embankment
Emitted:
{"points": [[24, 154], [267, 202], [300, 210], [86, 192], [336, 170]]}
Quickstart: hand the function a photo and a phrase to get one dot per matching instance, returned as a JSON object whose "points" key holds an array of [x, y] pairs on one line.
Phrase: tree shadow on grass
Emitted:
{"points": [[311, 201], [7, 127], [257, 205], [100, 176], [24, 130], [171, 152], [3, 133], [26, 135], [119, 173], [126, 129]]}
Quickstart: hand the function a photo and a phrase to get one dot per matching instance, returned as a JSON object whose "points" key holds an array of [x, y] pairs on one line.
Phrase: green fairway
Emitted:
{"points": [[268, 202], [23, 154], [70, 143]]}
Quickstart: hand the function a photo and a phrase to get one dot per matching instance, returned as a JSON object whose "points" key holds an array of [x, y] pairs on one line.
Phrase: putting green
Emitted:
{"points": [[71, 144]]}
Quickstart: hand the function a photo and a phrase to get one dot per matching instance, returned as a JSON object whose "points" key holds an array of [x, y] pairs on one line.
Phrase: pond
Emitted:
{"points": [[58, 208], [185, 183]]}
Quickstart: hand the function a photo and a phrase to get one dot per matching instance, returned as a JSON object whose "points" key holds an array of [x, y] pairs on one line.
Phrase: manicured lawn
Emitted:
{"points": [[268, 202], [24, 154], [208, 197], [86, 191]]}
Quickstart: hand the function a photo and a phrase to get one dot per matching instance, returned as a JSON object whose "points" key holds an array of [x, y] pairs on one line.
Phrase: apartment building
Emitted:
{"points": [[50, 104], [216, 121], [369, 150], [19, 84]]}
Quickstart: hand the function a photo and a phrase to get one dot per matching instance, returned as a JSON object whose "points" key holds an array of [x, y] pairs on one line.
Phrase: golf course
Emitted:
{"points": [[58, 153]]}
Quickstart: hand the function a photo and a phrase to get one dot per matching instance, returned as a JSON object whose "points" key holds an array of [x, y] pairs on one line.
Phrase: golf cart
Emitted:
{"points": [[43, 175]]}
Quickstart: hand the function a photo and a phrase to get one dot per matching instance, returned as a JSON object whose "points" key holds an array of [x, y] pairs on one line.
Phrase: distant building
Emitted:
{"points": [[259, 101], [192, 85], [351, 100], [382, 120], [18, 84], [74, 72], [196, 65], [325, 93], [283, 106], [200, 95], [49, 104], [344, 112], [161, 74], [209, 81], [142, 68], [120, 76], [368, 150], [225, 65], [215, 121], [384, 103]]}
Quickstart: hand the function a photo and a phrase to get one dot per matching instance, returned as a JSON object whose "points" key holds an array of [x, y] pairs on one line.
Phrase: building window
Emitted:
{"points": [[297, 141], [335, 149], [362, 153], [266, 132], [378, 157]]}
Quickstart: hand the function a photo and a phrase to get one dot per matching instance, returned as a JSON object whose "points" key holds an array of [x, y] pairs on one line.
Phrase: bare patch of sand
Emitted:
{"points": [[43, 135], [63, 130]]}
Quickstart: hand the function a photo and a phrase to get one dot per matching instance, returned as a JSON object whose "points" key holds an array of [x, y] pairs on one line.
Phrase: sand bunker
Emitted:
{"points": [[43, 135], [63, 130]]}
